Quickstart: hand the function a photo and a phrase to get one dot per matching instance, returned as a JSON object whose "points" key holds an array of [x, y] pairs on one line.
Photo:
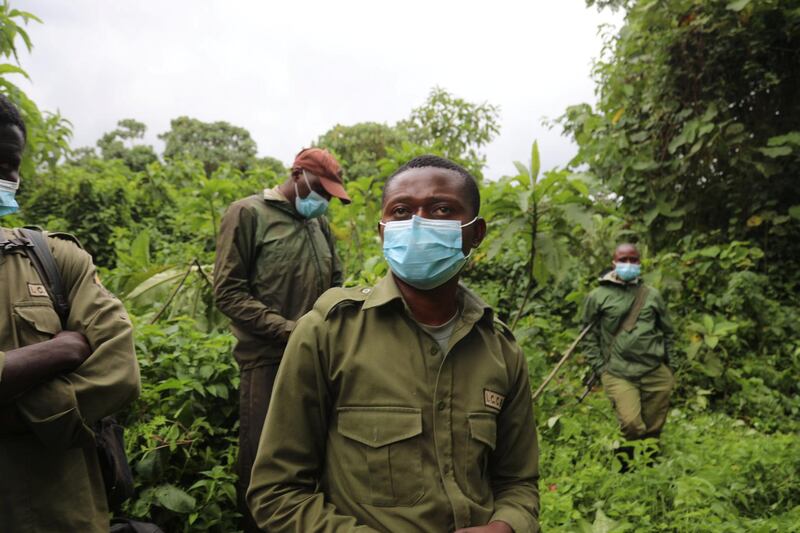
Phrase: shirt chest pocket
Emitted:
{"points": [[35, 322], [383, 452], [481, 440]]}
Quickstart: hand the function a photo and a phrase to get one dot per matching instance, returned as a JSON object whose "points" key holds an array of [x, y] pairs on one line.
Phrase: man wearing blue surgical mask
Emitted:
{"points": [[407, 405], [629, 348], [65, 363], [275, 257]]}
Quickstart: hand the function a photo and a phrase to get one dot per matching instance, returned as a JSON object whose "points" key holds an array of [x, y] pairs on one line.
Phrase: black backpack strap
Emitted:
{"points": [[45, 264]]}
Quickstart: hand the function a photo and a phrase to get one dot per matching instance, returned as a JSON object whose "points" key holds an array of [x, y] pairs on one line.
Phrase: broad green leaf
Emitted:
{"points": [[794, 211], [712, 365], [691, 351], [166, 277], [724, 327], [522, 169], [711, 341], [777, 151], [174, 499], [675, 225], [535, 164], [709, 251], [140, 248], [650, 216], [792, 137], [602, 523], [708, 323], [540, 272], [523, 201], [737, 5], [5, 68]]}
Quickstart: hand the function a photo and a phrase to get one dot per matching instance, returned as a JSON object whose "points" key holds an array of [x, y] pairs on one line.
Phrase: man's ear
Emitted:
{"points": [[480, 232]]}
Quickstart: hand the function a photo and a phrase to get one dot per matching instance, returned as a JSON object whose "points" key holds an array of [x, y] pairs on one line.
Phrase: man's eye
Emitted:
{"points": [[400, 212]]}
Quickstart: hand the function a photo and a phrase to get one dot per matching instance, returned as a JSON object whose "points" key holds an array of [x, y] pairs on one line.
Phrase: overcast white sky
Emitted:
{"points": [[289, 71]]}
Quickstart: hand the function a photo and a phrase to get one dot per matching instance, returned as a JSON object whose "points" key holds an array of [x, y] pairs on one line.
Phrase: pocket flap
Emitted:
{"points": [[42, 317], [379, 426], [483, 428]]}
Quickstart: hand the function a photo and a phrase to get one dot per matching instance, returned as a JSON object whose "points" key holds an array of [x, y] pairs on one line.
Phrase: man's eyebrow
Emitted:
{"points": [[429, 199]]}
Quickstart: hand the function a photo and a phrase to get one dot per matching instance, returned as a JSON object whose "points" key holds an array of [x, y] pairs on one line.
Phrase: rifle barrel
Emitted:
{"points": [[563, 360]]}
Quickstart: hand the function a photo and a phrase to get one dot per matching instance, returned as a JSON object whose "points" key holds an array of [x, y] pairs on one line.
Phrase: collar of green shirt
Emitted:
{"points": [[386, 291]]}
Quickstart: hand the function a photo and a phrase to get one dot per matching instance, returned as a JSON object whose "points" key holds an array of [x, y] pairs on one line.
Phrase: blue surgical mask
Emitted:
{"points": [[422, 252], [627, 271], [8, 193], [312, 206]]}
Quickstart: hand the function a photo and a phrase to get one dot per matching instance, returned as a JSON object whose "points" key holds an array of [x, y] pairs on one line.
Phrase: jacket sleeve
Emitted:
{"points": [[61, 411], [337, 273], [665, 325], [514, 464], [593, 340], [283, 494], [235, 260]]}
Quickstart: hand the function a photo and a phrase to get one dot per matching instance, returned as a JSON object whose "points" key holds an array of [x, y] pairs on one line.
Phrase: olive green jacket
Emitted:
{"points": [[271, 266], [50, 478], [372, 428], [633, 353]]}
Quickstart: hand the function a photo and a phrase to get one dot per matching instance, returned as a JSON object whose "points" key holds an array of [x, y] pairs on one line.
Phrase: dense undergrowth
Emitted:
{"points": [[719, 241]]}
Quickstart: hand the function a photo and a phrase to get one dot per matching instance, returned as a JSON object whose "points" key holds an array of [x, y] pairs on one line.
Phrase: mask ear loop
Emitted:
{"points": [[470, 222]]}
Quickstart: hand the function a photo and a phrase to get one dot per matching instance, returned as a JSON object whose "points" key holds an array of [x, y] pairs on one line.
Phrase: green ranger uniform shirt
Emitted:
{"points": [[632, 353], [271, 266], [50, 479], [373, 427]]}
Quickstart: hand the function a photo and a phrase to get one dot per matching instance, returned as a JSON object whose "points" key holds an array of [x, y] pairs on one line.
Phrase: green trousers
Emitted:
{"points": [[641, 406], [255, 390]]}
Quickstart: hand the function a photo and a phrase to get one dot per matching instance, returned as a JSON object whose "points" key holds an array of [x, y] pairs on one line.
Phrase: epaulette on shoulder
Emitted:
{"points": [[65, 237], [338, 297], [502, 327]]}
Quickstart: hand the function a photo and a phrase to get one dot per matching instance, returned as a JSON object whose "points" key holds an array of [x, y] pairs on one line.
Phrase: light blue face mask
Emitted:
{"points": [[312, 206], [422, 252], [628, 271], [8, 200]]}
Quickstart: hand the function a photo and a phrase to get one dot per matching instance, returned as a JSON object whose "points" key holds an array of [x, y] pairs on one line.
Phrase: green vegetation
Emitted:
{"points": [[692, 149]]}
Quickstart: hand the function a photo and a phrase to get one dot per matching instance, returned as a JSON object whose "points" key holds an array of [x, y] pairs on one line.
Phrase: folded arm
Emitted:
{"points": [[61, 410]]}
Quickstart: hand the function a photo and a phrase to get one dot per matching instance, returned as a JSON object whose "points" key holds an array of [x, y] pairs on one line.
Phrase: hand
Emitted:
{"points": [[288, 329], [493, 527], [76, 348]]}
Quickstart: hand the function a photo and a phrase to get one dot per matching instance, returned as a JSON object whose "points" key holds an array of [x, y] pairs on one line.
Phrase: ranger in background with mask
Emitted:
{"points": [[407, 406], [629, 348], [275, 257]]}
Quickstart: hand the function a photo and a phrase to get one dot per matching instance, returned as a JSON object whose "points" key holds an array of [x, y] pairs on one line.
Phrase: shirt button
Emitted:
{"points": [[434, 350], [441, 405], [365, 291]]}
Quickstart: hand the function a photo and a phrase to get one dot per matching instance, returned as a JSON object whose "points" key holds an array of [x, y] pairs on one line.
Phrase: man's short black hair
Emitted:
{"points": [[428, 160], [9, 114]]}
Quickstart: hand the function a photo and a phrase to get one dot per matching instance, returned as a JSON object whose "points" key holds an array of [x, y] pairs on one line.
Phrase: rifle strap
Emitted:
{"points": [[45, 264], [629, 322]]}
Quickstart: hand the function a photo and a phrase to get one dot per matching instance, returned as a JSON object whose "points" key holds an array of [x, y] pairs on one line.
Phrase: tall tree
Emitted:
{"points": [[359, 147], [697, 127], [48, 133], [119, 144], [212, 143], [457, 128]]}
